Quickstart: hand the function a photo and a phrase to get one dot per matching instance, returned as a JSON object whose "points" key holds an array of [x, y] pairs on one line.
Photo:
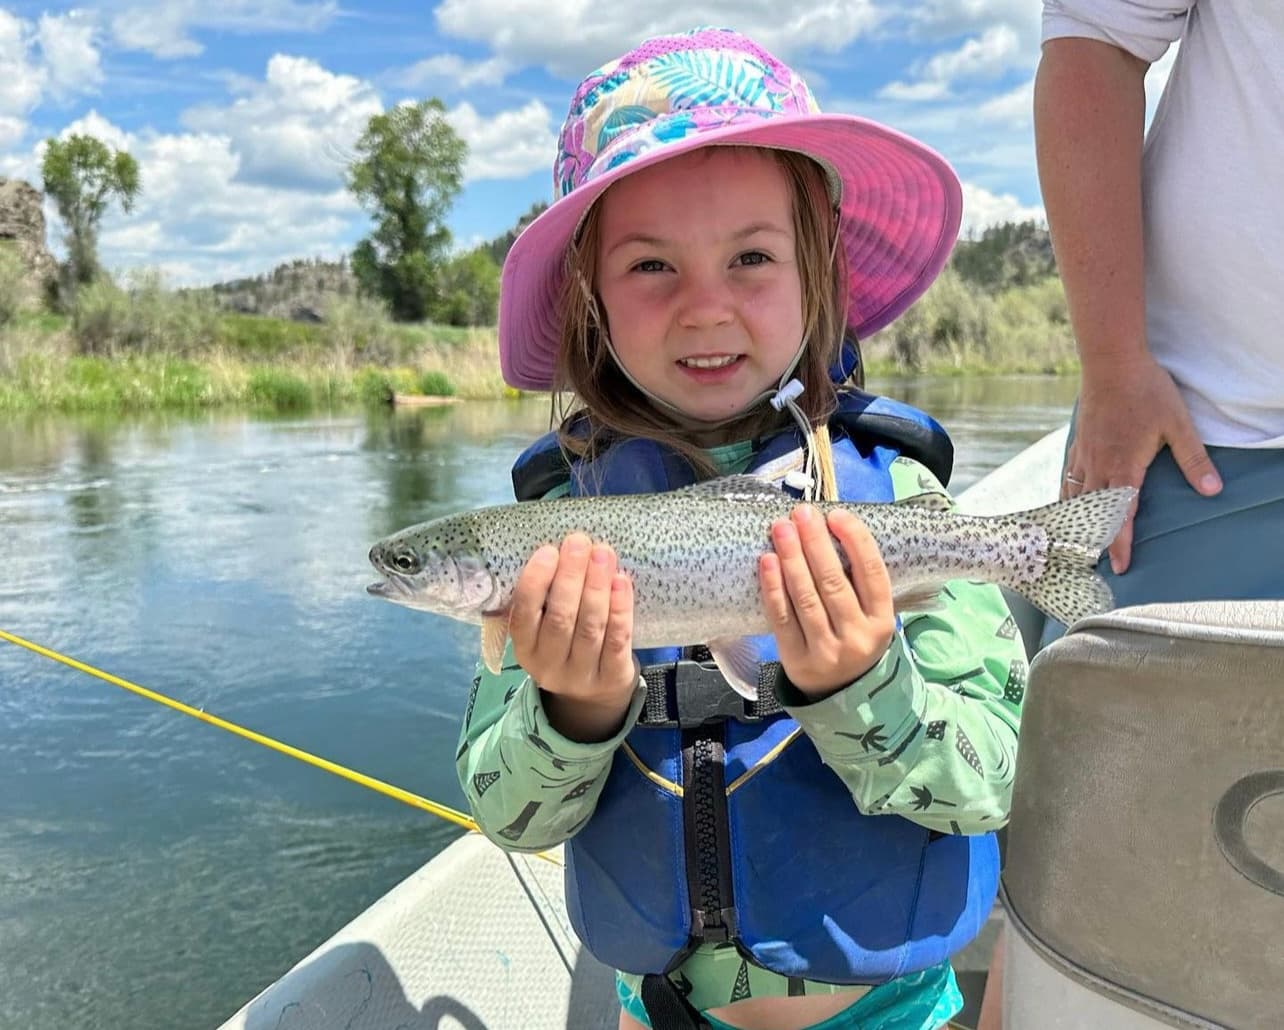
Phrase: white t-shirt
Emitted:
{"points": [[1213, 187]]}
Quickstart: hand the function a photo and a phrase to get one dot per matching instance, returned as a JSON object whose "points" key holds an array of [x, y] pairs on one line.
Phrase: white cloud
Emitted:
{"points": [[11, 131], [981, 209], [996, 50], [985, 57], [915, 92], [949, 19], [296, 128], [1013, 109], [198, 222], [21, 80], [165, 30], [508, 145], [573, 37], [70, 53], [450, 72]]}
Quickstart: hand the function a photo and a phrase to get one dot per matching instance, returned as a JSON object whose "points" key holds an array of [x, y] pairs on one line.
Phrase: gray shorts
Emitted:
{"points": [[1187, 547]]}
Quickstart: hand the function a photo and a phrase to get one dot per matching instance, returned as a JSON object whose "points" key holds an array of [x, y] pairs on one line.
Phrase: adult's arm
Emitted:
{"points": [[1089, 112]]}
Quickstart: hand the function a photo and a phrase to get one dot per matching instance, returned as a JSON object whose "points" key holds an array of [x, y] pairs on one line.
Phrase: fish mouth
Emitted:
{"points": [[391, 588]]}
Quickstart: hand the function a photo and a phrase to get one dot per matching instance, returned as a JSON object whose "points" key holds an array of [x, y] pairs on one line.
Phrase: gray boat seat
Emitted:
{"points": [[1145, 872]]}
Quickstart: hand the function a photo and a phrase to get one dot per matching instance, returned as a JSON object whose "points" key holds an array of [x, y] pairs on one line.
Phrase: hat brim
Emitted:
{"points": [[901, 208]]}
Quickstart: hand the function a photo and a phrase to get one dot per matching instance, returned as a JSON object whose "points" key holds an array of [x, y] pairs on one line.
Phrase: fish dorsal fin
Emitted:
{"points": [[930, 501], [733, 488]]}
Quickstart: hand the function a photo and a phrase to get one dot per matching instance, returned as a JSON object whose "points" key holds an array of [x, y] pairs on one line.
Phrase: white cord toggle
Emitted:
{"points": [[791, 391], [786, 397], [797, 479]]}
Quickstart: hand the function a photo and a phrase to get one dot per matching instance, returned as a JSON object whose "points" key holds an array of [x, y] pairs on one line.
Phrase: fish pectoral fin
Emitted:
{"points": [[922, 597], [494, 639], [737, 660]]}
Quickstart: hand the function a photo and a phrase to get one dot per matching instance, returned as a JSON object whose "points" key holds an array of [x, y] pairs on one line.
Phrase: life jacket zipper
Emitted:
{"points": [[708, 840]]}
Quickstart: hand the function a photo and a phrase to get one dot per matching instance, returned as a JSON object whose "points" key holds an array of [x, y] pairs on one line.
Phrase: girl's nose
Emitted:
{"points": [[704, 301]]}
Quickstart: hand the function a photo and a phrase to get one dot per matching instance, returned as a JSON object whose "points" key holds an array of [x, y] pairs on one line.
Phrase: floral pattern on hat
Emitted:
{"points": [[662, 92]]}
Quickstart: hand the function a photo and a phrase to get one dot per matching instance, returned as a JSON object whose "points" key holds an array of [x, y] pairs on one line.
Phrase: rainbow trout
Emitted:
{"points": [[692, 555]]}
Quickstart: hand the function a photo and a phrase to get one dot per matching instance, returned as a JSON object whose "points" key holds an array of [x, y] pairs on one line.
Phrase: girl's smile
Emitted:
{"points": [[699, 281]]}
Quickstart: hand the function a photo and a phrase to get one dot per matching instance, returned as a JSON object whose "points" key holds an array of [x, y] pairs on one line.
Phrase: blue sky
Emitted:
{"points": [[242, 113]]}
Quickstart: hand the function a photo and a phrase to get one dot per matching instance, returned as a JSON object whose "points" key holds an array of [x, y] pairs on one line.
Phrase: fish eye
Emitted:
{"points": [[406, 561]]}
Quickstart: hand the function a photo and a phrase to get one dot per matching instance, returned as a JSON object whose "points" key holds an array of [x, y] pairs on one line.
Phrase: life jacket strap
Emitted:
{"points": [[687, 693], [667, 1007]]}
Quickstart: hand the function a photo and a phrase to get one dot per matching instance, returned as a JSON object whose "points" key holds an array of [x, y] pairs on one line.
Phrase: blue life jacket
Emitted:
{"points": [[718, 822]]}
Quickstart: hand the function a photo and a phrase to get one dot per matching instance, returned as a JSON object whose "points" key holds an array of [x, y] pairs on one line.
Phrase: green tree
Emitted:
{"points": [[83, 174], [469, 289], [408, 171], [499, 247]]}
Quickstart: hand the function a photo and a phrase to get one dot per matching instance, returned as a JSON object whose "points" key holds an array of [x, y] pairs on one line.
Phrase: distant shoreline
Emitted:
{"points": [[264, 363]]}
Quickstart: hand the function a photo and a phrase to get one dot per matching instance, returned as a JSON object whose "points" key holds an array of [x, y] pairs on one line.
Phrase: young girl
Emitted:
{"points": [[811, 858]]}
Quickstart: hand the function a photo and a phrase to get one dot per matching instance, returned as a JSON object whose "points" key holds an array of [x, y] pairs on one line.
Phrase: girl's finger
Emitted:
{"points": [[562, 606], [595, 604], [529, 592], [777, 606], [827, 570], [808, 608], [617, 642], [869, 573]]}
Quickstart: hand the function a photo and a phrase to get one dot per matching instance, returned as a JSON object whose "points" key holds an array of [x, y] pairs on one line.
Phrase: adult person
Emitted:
{"points": [[1169, 244]]}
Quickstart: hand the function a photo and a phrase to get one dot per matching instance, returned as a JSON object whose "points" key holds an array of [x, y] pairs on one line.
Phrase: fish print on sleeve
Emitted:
{"points": [[528, 787], [930, 732]]}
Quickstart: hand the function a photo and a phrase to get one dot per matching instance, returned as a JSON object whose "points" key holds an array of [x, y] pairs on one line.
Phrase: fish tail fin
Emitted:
{"points": [[1078, 529]]}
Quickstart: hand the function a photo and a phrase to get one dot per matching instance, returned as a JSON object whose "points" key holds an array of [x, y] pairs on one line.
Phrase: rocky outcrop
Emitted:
{"points": [[22, 221], [299, 290]]}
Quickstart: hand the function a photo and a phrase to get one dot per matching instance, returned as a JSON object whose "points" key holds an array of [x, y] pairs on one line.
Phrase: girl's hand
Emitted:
{"points": [[828, 632], [572, 629]]}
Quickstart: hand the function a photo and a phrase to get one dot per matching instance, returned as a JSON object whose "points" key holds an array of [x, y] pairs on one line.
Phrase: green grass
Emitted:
{"points": [[145, 347], [252, 336]]}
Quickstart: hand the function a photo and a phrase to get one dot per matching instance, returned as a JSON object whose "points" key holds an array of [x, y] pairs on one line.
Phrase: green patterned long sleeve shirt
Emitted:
{"points": [[929, 733]]}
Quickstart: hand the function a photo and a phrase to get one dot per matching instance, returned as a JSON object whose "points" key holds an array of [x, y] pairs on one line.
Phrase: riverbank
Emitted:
{"points": [[258, 363], [207, 359]]}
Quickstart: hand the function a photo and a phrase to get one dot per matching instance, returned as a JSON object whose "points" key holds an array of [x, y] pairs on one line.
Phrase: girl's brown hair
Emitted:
{"points": [[617, 408]]}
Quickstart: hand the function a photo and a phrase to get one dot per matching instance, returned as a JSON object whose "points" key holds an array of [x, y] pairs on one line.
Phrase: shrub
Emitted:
{"points": [[359, 328], [144, 316], [278, 389], [436, 383]]}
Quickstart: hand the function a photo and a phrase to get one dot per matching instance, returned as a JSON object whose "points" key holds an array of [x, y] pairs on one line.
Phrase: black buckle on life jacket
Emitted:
{"points": [[686, 694]]}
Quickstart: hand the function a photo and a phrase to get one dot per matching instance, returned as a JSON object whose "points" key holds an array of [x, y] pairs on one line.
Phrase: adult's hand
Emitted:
{"points": [[1126, 416]]}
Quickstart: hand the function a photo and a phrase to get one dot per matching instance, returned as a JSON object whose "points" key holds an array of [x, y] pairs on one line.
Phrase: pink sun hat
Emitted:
{"points": [[900, 202]]}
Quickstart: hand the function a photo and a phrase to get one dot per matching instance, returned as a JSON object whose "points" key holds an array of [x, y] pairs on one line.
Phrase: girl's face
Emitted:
{"points": [[696, 269]]}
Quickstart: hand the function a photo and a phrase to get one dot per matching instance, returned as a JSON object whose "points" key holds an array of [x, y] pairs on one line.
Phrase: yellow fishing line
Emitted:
{"points": [[387, 789]]}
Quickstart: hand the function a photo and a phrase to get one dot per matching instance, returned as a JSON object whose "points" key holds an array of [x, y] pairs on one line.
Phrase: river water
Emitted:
{"points": [[156, 872]]}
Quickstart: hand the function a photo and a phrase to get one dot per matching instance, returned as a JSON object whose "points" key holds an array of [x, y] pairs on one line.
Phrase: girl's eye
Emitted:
{"points": [[752, 257], [649, 265]]}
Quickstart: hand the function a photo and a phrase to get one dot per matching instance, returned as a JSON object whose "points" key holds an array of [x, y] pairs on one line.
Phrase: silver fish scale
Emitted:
{"points": [[693, 557]]}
